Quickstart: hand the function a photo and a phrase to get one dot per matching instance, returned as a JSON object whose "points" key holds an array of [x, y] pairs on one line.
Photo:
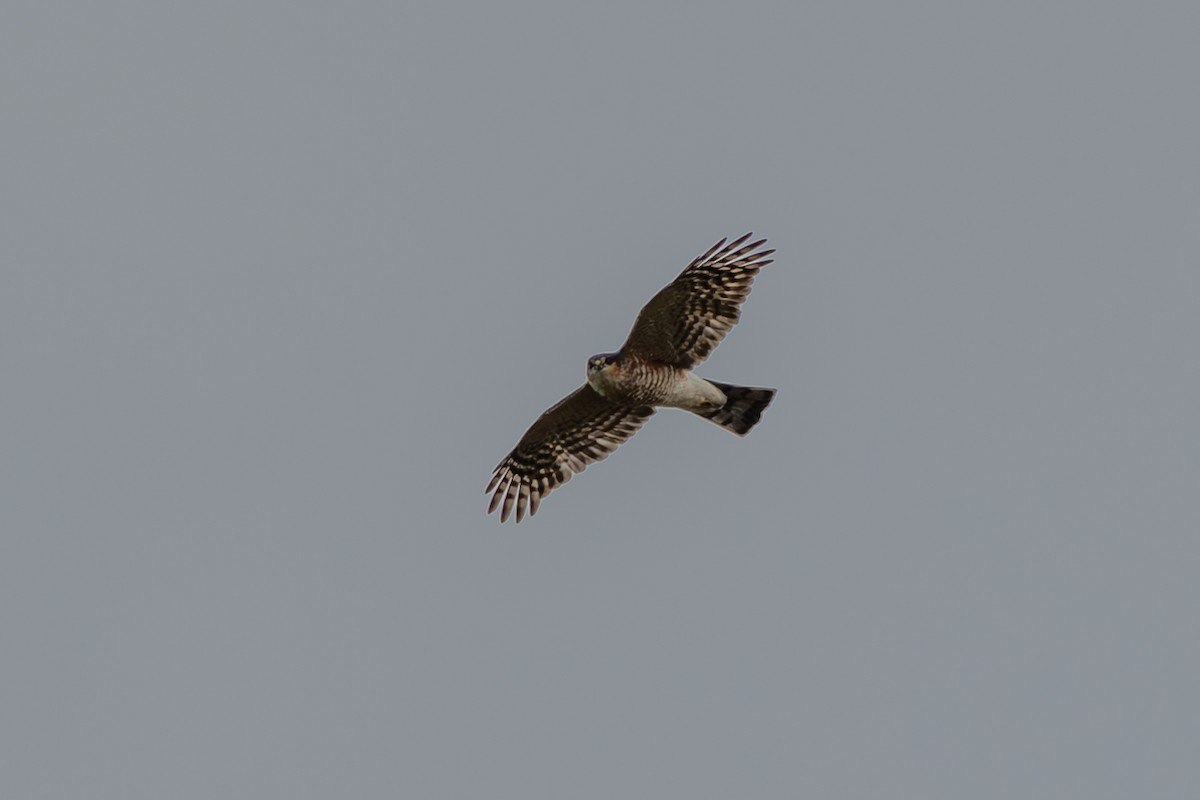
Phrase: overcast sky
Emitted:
{"points": [[280, 283]]}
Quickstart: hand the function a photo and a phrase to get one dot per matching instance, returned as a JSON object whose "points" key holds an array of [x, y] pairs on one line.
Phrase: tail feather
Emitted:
{"points": [[743, 407]]}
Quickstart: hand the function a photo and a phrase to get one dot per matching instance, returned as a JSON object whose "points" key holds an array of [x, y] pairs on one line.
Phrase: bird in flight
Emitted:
{"points": [[674, 332]]}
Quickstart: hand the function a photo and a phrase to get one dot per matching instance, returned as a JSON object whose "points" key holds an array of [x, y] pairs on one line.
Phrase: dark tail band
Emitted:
{"points": [[743, 407]]}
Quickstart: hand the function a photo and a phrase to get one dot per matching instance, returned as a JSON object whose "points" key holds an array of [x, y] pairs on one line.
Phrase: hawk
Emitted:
{"points": [[675, 331]]}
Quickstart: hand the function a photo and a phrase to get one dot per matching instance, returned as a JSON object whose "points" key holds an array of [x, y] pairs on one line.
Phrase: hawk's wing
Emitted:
{"points": [[581, 428], [687, 319]]}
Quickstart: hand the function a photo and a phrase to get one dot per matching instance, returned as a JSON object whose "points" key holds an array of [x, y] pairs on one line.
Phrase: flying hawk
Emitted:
{"points": [[675, 331]]}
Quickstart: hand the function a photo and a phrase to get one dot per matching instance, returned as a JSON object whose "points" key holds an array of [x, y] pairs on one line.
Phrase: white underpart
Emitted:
{"points": [[695, 394]]}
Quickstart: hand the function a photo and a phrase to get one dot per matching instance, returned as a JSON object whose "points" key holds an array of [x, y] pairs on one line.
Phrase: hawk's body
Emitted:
{"points": [[675, 331], [650, 383]]}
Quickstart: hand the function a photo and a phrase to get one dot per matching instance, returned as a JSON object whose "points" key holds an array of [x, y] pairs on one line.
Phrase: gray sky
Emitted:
{"points": [[281, 283]]}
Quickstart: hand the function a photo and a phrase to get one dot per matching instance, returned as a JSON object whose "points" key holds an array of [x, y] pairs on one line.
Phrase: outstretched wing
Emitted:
{"points": [[687, 319], [581, 428]]}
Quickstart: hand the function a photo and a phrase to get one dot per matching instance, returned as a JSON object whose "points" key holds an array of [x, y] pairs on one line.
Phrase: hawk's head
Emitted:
{"points": [[601, 371]]}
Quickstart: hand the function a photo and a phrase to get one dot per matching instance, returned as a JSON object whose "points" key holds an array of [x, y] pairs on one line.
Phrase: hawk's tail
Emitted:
{"points": [[743, 407]]}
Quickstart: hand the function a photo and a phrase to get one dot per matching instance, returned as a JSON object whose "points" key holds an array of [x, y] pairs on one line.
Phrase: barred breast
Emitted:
{"points": [[657, 384], [643, 383]]}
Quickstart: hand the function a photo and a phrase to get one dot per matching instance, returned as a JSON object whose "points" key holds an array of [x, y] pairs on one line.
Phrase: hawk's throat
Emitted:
{"points": [[604, 380]]}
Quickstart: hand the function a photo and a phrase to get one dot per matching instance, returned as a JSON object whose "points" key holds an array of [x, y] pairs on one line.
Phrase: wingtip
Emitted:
{"points": [[736, 243]]}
